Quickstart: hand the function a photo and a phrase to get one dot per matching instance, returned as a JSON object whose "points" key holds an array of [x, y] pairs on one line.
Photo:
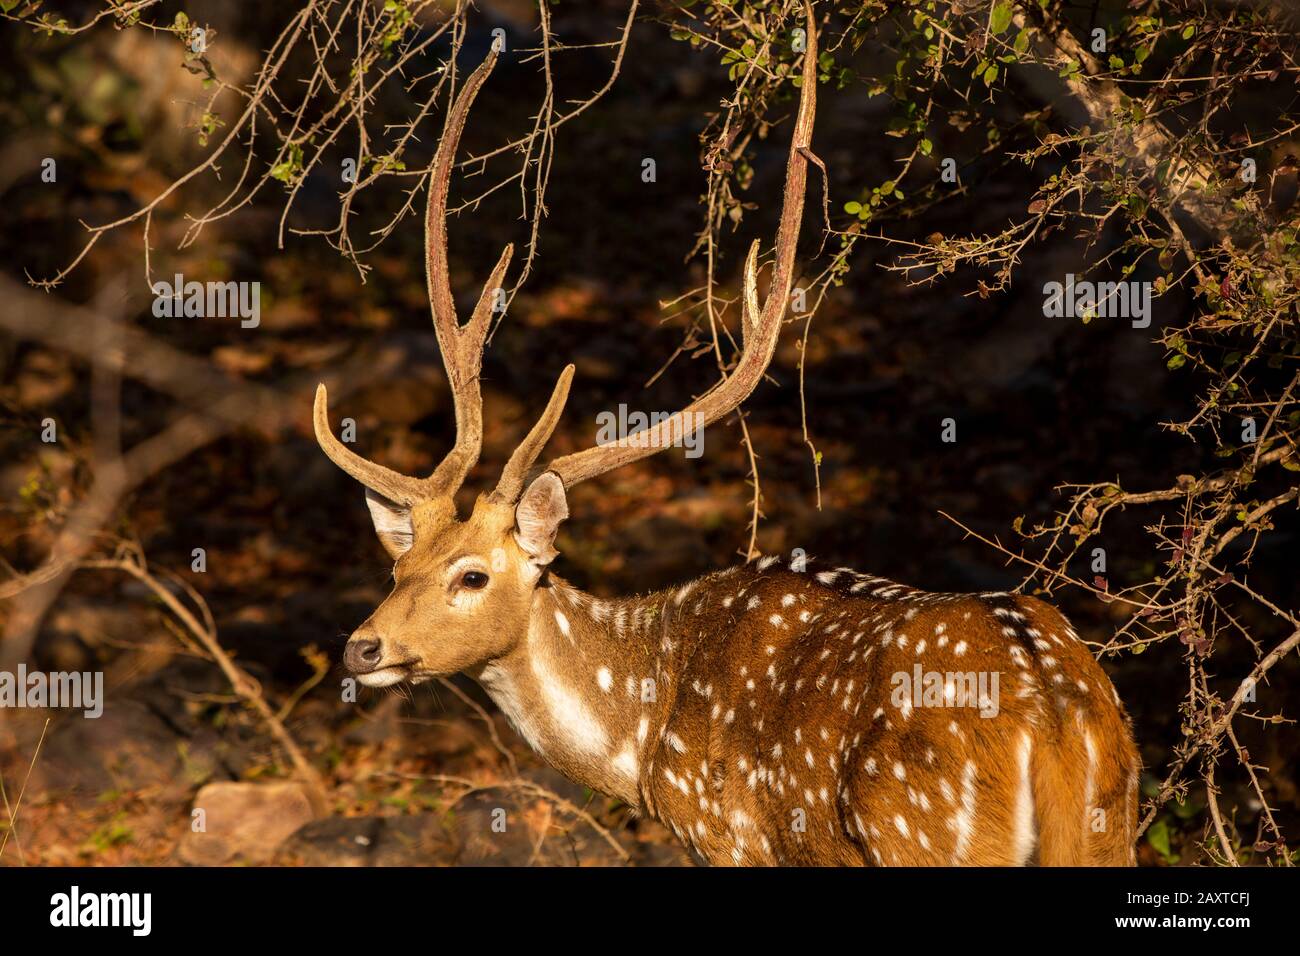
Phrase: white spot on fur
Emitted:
{"points": [[625, 763], [963, 821]]}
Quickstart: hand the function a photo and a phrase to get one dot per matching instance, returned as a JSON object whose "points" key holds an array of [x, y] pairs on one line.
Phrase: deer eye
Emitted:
{"points": [[474, 580]]}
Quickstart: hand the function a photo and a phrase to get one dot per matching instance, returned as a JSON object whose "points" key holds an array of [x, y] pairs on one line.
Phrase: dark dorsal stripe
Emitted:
{"points": [[1007, 612]]}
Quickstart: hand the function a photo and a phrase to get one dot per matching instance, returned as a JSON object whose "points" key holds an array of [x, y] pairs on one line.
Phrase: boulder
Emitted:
{"points": [[244, 822]]}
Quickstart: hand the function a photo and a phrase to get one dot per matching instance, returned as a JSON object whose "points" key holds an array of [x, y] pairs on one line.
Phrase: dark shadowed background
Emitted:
{"points": [[292, 565]]}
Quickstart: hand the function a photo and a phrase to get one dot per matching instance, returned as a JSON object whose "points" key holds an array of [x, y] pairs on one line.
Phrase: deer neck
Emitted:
{"points": [[590, 685]]}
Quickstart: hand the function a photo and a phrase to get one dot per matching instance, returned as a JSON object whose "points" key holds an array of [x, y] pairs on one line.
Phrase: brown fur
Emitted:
{"points": [[837, 707]]}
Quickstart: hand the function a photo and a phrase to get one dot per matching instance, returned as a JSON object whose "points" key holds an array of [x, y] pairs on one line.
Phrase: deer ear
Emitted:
{"points": [[392, 524], [538, 516]]}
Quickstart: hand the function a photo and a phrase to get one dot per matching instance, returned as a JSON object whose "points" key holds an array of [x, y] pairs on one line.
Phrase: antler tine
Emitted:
{"points": [[398, 488], [461, 346], [760, 328], [525, 456]]}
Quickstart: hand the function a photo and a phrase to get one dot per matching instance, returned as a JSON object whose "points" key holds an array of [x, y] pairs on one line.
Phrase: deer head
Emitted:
{"points": [[463, 588]]}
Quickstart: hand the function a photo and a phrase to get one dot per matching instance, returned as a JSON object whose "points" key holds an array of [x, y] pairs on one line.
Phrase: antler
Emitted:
{"points": [[760, 328], [516, 470], [461, 346]]}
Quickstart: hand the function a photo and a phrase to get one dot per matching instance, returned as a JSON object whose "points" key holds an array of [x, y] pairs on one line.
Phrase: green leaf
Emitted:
{"points": [[1158, 837], [1188, 31], [1001, 18], [1176, 362], [990, 75], [926, 147], [853, 208]]}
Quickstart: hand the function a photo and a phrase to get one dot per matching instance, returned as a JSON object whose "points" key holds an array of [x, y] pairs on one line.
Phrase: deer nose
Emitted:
{"points": [[362, 655]]}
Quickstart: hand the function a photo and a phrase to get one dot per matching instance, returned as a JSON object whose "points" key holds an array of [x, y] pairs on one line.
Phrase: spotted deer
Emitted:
{"points": [[771, 713]]}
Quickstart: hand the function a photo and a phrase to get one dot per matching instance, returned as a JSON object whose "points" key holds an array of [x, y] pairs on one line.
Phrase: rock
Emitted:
{"points": [[497, 826], [494, 826], [127, 742], [368, 841], [336, 841], [245, 821]]}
